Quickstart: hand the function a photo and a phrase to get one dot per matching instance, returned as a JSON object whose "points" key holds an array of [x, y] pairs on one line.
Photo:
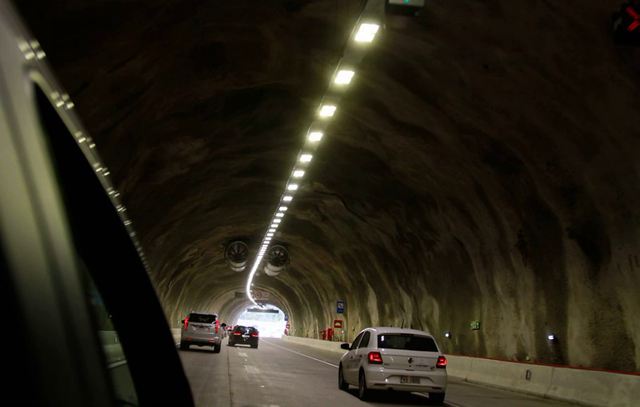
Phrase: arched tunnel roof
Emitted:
{"points": [[483, 166]]}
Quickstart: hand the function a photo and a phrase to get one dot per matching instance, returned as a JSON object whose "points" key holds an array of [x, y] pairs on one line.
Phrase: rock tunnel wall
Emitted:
{"points": [[482, 168]]}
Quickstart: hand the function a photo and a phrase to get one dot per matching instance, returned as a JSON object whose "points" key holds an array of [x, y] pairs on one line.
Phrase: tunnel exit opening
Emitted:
{"points": [[269, 320]]}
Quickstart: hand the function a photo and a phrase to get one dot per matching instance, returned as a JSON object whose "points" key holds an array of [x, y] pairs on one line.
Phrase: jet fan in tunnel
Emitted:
{"points": [[237, 255], [277, 260]]}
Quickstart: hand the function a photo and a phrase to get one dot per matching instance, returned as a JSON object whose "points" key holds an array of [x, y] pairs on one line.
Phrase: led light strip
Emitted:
{"points": [[364, 33]]}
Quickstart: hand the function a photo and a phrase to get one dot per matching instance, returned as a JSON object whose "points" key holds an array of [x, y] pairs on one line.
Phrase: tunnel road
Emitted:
{"points": [[282, 374]]}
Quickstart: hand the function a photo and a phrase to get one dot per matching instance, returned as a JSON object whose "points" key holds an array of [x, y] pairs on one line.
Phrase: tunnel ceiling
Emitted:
{"points": [[483, 166]]}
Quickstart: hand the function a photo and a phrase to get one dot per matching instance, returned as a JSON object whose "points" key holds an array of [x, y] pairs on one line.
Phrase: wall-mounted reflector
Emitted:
{"points": [[306, 158], [366, 32], [343, 77], [327, 110]]}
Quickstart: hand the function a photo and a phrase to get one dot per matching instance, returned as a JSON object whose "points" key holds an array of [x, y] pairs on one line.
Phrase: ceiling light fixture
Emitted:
{"points": [[327, 111], [367, 32], [315, 136], [343, 77]]}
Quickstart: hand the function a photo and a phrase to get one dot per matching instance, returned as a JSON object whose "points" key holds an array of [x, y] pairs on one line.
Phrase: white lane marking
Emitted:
{"points": [[301, 354], [242, 354]]}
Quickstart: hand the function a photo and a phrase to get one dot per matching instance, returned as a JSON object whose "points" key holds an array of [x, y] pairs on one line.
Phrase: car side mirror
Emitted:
{"points": [[345, 346]]}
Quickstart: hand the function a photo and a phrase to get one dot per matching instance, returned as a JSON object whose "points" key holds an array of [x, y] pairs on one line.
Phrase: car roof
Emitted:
{"points": [[203, 313], [391, 329]]}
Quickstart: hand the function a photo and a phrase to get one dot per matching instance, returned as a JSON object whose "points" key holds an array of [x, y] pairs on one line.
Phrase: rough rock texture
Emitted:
{"points": [[482, 167]]}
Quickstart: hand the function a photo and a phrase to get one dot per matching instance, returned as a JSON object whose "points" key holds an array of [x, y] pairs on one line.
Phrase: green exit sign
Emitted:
{"points": [[475, 325]]}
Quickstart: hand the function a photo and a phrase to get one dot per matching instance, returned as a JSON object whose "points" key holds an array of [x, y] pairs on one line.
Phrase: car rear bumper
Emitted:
{"points": [[434, 381], [252, 342], [201, 340]]}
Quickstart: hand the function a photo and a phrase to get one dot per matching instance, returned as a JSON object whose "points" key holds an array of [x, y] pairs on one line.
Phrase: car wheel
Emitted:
{"points": [[437, 398], [184, 346], [216, 348], [342, 384], [363, 392]]}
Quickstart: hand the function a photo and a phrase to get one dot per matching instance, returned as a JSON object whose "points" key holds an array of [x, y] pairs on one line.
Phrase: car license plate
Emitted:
{"points": [[409, 379]]}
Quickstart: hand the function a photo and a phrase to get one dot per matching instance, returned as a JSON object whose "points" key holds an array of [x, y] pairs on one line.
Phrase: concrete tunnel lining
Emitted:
{"points": [[482, 174]]}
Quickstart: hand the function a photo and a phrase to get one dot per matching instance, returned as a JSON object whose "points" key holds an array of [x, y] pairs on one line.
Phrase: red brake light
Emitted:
{"points": [[375, 358], [442, 362], [217, 325], [186, 323], [254, 334], [237, 333]]}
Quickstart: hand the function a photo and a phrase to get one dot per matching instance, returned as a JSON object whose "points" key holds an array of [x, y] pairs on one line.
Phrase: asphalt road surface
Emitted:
{"points": [[282, 374]]}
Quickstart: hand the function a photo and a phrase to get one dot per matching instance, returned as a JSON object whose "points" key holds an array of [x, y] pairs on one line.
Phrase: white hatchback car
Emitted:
{"points": [[394, 358]]}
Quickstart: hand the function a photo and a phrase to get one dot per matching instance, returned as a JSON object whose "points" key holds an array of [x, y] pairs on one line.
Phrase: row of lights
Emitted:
{"points": [[364, 34]]}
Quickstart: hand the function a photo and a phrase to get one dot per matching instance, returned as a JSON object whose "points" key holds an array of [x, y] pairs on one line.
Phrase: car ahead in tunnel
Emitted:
{"points": [[386, 358], [71, 269], [201, 329], [244, 335]]}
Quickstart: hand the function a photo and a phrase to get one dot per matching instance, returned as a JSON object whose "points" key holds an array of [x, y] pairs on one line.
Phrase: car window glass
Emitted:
{"points": [[364, 342], [115, 359], [202, 318], [355, 343], [113, 354], [407, 342]]}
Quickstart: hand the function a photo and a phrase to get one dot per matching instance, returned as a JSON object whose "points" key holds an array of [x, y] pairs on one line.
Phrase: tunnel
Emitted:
{"points": [[480, 176]]}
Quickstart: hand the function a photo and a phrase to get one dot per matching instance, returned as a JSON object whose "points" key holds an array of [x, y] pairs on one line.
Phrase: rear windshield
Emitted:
{"points": [[240, 328], [407, 342], [202, 318]]}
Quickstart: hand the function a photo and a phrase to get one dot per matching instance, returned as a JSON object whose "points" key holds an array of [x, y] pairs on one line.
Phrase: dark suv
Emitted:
{"points": [[244, 335]]}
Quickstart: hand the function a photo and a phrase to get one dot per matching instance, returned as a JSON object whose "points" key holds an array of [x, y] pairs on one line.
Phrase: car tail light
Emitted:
{"points": [[442, 362], [217, 325], [186, 323], [237, 333], [254, 334], [375, 358]]}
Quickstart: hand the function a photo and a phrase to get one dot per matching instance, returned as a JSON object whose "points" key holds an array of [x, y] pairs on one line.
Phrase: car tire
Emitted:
{"points": [[216, 348], [184, 346], [230, 344], [436, 398], [363, 392], [342, 384]]}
